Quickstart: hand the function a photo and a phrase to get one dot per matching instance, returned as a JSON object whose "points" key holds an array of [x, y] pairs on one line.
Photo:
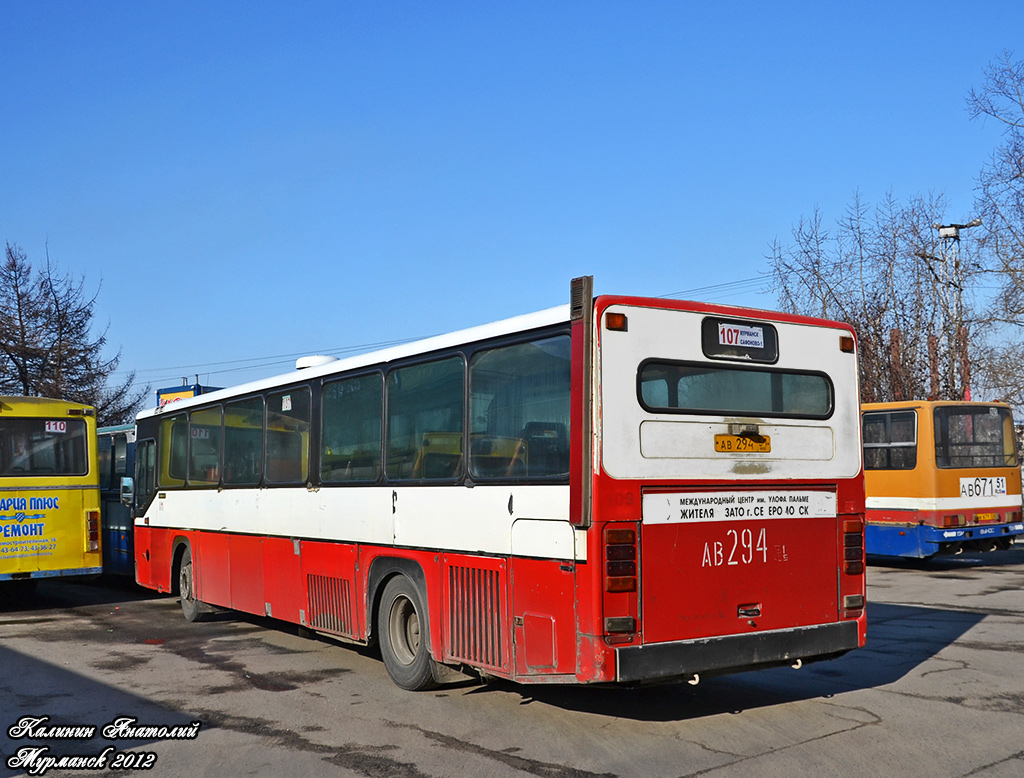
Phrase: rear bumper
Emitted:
{"points": [[50, 573], [922, 540], [733, 653]]}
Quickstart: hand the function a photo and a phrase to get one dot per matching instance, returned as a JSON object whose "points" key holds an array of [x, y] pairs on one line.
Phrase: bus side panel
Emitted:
{"points": [[246, 585], [284, 590], [211, 568], [153, 557], [544, 616], [332, 595], [144, 558], [889, 539], [470, 603]]}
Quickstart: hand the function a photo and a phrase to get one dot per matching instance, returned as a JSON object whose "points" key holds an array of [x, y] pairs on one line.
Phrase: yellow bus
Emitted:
{"points": [[940, 477], [49, 490]]}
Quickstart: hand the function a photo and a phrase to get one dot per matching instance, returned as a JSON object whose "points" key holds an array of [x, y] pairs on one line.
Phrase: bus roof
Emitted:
{"points": [[36, 404], [114, 428], [907, 404], [524, 323]]}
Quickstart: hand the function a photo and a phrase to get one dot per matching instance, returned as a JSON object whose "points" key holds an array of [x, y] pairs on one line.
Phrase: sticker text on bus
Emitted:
{"points": [[690, 507], [29, 504], [740, 335]]}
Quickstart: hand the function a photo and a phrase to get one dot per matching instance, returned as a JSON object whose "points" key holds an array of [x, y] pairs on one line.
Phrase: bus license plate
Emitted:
{"points": [[733, 443], [985, 516]]}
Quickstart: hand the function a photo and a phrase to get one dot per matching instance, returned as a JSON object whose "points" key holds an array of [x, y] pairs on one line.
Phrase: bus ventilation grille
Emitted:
{"points": [[474, 611], [330, 604]]}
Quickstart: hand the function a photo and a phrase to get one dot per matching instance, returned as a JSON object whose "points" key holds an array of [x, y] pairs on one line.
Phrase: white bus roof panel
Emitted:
{"points": [[524, 323]]}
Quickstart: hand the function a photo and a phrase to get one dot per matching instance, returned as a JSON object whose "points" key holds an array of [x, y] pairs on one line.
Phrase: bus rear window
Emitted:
{"points": [[682, 387], [973, 436], [43, 447]]}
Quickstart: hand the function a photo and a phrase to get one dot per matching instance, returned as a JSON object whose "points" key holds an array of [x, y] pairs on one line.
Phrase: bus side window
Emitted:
{"points": [[425, 404], [204, 427], [104, 449], [145, 470], [120, 455], [890, 440], [174, 441], [352, 412], [243, 441], [287, 441], [1009, 442], [519, 407]]}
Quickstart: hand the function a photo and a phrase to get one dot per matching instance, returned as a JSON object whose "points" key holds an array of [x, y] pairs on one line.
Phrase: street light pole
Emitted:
{"points": [[953, 284]]}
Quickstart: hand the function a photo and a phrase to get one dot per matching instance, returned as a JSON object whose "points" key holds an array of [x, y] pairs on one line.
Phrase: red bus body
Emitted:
{"points": [[656, 557]]}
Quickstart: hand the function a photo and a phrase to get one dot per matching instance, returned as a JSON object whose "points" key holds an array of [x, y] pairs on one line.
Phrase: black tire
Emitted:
{"points": [[193, 609], [404, 637]]}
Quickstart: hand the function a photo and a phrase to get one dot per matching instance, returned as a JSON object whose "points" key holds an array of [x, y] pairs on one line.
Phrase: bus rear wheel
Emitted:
{"points": [[193, 609], [404, 636]]}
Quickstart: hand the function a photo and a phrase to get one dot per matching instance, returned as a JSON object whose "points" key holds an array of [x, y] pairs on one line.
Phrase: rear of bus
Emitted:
{"points": [[728, 497], [940, 477], [49, 490]]}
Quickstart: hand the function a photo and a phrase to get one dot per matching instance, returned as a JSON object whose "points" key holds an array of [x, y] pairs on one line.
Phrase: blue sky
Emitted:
{"points": [[248, 182]]}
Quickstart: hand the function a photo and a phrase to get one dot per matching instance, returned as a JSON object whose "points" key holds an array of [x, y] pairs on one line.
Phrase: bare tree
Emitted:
{"points": [[1001, 183], [1000, 202], [46, 345], [911, 291], [885, 271]]}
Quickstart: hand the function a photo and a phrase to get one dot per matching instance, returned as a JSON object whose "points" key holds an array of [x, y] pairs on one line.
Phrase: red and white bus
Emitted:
{"points": [[620, 490]]}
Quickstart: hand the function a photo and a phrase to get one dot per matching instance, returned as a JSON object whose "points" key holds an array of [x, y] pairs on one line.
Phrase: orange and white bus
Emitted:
{"points": [[49, 490], [940, 477], [620, 490]]}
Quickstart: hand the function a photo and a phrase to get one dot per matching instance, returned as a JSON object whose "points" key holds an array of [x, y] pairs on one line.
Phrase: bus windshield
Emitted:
{"points": [[31, 446], [972, 436]]}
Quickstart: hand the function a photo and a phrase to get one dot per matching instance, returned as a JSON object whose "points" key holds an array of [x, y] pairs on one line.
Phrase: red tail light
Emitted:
{"points": [[620, 560], [92, 527], [853, 547]]}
